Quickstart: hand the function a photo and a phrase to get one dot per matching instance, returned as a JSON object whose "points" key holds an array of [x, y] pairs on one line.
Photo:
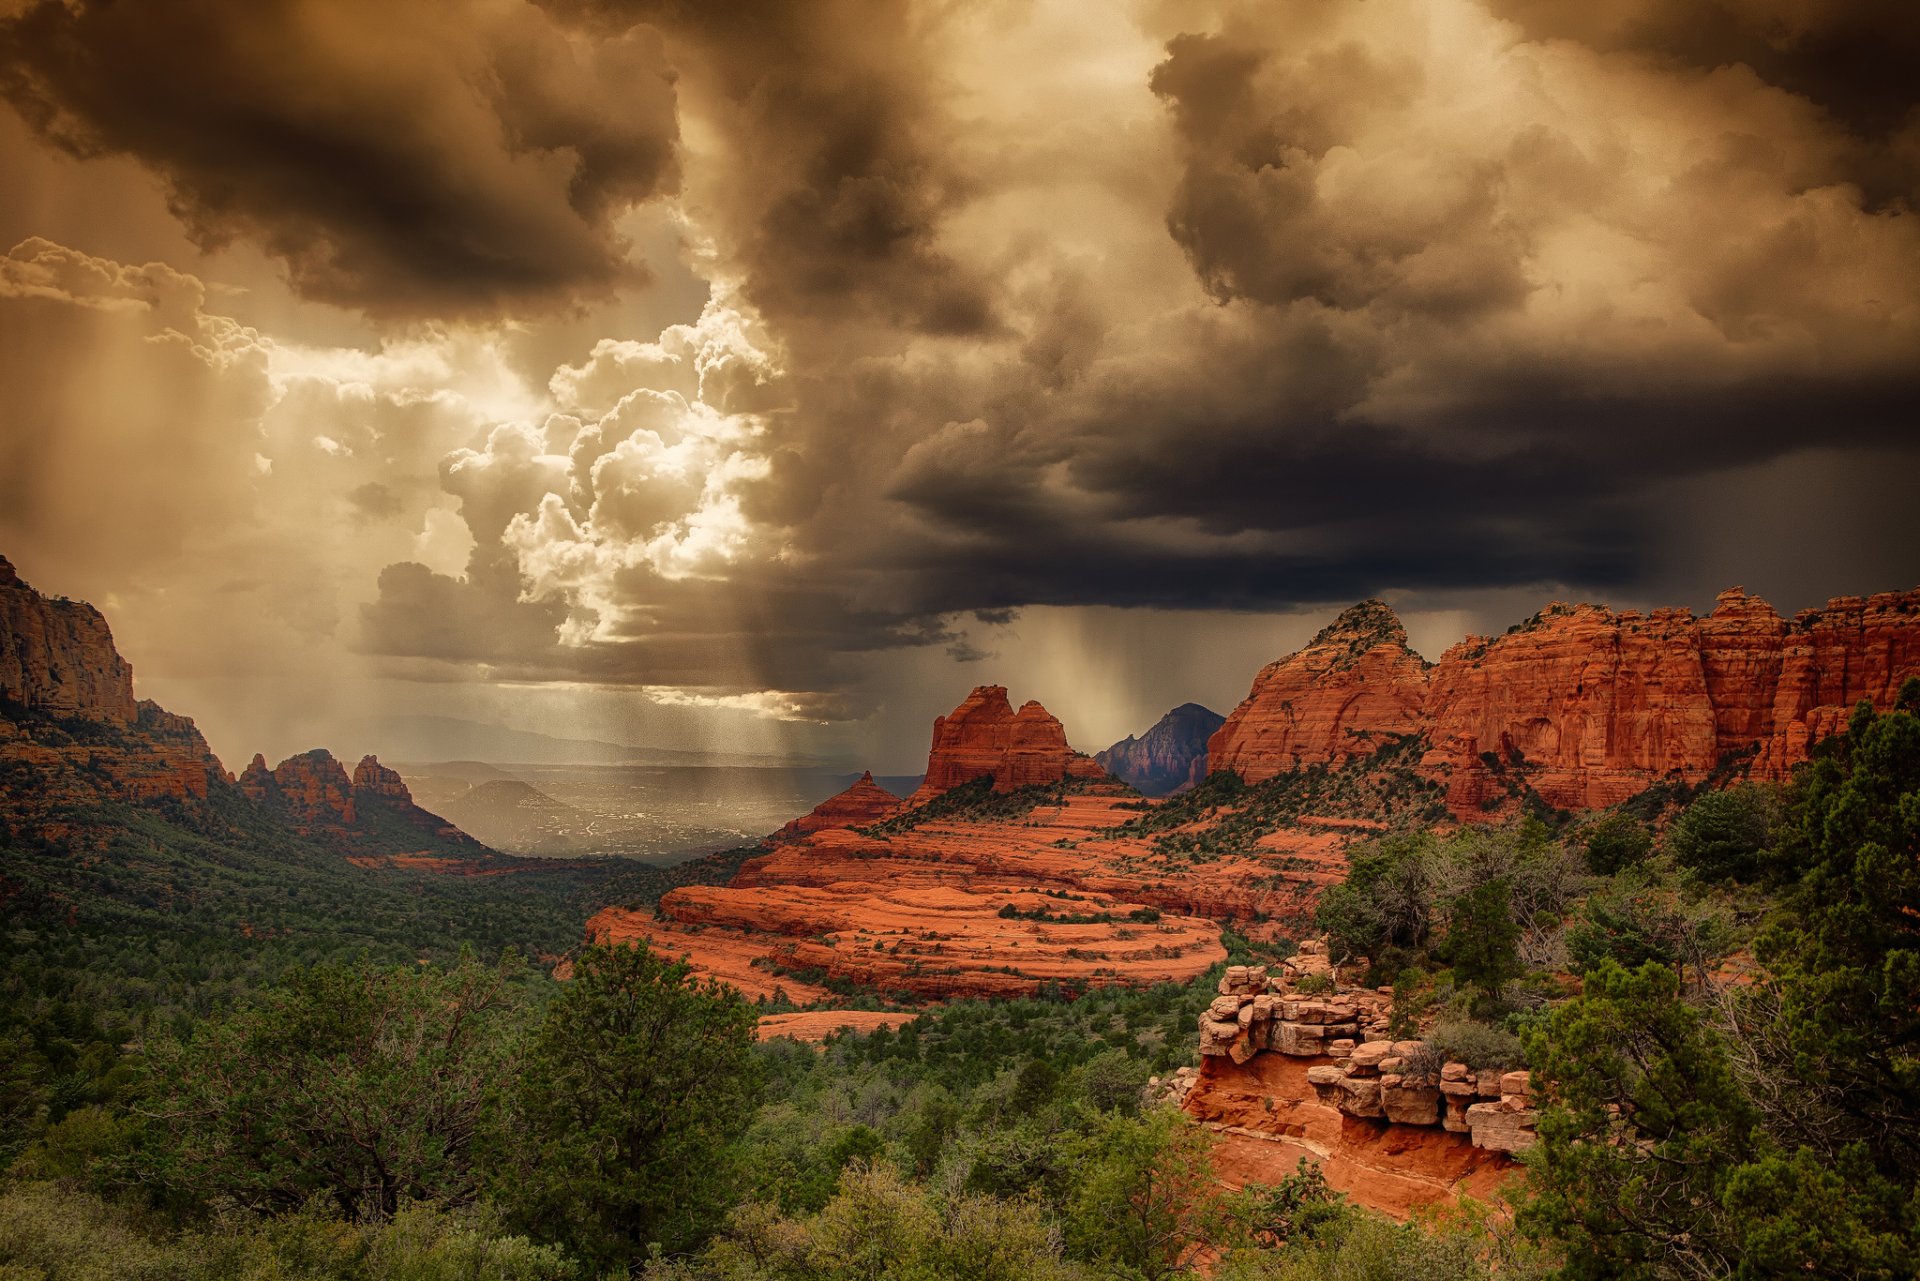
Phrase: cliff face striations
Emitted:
{"points": [[1171, 755], [984, 737], [1587, 706]]}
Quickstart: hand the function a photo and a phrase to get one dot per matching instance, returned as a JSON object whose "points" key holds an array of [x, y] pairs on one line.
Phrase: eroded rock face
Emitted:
{"points": [[1169, 756], [371, 778], [860, 804], [316, 790], [984, 737], [1589, 707], [57, 656], [1348, 693]]}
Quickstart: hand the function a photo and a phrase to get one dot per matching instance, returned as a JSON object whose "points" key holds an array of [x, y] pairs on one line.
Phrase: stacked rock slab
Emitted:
{"points": [[1366, 1075]]}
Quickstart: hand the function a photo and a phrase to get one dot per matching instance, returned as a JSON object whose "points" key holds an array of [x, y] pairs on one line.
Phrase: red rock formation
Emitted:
{"points": [[985, 737], [315, 788], [1587, 706], [57, 656], [371, 778], [1345, 695], [68, 715], [1830, 660], [1597, 706], [858, 805]]}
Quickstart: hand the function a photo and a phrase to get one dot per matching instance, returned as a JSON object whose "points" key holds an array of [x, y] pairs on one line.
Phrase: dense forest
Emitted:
{"points": [[1721, 1012]]}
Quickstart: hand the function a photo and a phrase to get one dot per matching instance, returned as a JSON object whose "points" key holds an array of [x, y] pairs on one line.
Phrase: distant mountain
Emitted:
{"points": [[511, 815], [1170, 755], [450, 738]]}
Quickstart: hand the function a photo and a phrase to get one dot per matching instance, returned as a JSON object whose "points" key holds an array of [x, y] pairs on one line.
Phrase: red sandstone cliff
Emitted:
{"points": [[858, 805], [72, 730], [985, 737], [67, 711], [1589, 706], [1346, 694], [57, 656]]}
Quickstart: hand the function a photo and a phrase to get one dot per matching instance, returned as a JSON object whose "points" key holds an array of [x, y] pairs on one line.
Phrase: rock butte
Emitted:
{"points": [[1589, 706], [984, 737]]}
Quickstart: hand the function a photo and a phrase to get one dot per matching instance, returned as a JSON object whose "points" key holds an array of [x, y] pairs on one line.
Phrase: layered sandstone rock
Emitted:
{"points": [[1171, 755], [1353, 689], [860, 804], [1583, 706], [1354, 1068], [985, 738], [57, 656]]}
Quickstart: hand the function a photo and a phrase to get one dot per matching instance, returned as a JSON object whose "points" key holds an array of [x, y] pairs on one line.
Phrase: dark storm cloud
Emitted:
{"points": [[840, 166], [1855, 58], [439, 157]]}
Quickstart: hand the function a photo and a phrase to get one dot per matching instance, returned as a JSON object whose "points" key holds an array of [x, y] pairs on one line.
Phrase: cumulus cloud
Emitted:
{"points": [[439, 157]]}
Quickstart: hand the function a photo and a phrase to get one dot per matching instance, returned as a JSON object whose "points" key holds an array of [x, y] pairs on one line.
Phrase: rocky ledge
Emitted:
{"points": [[1361, 1073]]}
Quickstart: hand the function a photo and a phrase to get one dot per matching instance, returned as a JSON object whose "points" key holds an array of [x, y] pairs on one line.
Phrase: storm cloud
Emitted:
{"points": [[1037, 306], [432, 158]]}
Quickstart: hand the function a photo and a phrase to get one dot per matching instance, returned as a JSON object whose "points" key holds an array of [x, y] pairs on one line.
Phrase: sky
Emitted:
{"points": [[761, 376]]}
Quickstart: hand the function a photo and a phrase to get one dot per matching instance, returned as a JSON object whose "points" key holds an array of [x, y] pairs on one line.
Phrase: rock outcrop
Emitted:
{"points": [[1171, 755], [315, 789], [984, 737], [1292, 1065], [68, 716], [1583, 706], [1358, 1070], [72, 736], [1353, 689], [861, 803], [57, 656]]}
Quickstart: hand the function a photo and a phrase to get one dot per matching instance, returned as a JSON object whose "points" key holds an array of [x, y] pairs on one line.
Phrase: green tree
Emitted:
{"points": [[1723, 835], [1483, 943], [1842, 1016], [1772, 1130], [1144, 1201], [364, 1085], [635, 1088], [1617, 842], [1385, 900], [1647, 1122]]}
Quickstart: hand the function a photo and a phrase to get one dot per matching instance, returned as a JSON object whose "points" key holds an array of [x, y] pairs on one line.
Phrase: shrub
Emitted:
{"points": [[1478, 1045]]}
